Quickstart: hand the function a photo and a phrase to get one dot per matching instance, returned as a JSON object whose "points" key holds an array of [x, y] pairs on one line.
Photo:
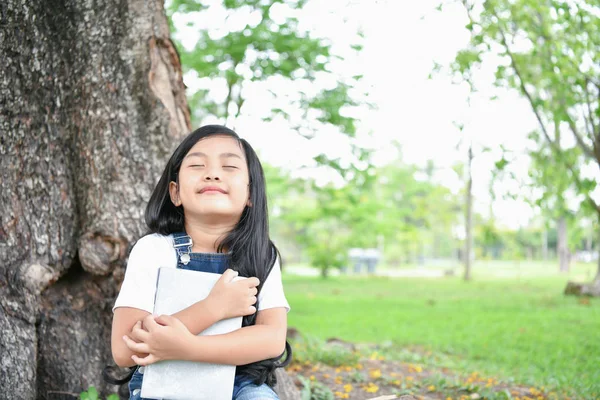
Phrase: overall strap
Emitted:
{"points": [[182, 243]]}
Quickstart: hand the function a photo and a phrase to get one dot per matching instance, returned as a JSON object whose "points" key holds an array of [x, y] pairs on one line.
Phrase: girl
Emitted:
{"points": [[208, 212]]}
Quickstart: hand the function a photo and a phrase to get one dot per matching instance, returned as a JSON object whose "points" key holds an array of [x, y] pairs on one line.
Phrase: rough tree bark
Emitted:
{"points": [[91, 103]]}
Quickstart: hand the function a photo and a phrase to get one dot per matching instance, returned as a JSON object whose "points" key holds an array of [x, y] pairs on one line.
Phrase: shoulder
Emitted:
{"points": [[153, 240], [154, 245]]}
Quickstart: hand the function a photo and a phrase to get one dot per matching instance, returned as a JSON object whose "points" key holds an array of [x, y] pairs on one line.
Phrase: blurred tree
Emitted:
{"points": [[556, 183], [547, 52], [269, 46]]}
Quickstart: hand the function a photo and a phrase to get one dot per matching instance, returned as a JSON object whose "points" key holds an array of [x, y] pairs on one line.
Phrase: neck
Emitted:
{"points": [[206, 236]]}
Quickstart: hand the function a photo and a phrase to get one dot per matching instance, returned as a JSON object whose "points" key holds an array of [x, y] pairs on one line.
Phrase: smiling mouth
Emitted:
{"points": [[212, 189]]}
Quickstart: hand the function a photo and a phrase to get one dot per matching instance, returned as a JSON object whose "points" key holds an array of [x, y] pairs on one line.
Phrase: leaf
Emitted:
{"points": [[500, 164], [92, 393]]}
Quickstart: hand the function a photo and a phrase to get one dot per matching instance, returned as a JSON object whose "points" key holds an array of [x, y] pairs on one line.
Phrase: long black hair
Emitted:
{"points": [[252, 253]]}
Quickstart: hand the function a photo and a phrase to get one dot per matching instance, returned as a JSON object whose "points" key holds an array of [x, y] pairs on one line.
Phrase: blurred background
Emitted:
{"points": [[432, 173]]}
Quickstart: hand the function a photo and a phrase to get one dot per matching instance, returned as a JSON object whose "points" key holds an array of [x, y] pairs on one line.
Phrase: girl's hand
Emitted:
{"points": [[161, 337], [233, 299]]}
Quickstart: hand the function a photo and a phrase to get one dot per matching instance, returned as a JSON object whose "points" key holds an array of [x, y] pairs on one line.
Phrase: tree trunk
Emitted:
{"points": [[469, 219], [562, 246], [587, 289], [285, 388], [545, 244], [92, 103]]}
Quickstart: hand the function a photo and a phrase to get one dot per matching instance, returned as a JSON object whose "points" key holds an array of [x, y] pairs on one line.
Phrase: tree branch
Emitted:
{"points": [[553, 144], [587, 150]]}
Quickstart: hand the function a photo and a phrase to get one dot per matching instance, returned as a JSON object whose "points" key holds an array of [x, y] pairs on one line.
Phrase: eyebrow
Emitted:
{"points": [[222, 155]]}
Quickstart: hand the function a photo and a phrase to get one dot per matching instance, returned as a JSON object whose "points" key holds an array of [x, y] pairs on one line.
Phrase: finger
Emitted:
{"points": [[138, 334], [147, 319], [253, 300], [253, 291], [137, 347], [252, 282], [251, 310], [150, 323], [228, 275], [143, 361], [164, 319]]}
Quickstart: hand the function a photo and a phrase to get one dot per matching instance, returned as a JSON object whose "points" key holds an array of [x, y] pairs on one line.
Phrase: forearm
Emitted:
{"points": [[198, 317], [243, 346]]}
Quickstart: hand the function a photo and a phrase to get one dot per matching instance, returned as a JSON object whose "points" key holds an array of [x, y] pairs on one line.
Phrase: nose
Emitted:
{"points": [[211, 175]]}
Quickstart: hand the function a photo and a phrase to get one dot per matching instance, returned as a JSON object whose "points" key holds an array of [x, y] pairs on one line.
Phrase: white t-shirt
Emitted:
{"points": [[154, 251]]}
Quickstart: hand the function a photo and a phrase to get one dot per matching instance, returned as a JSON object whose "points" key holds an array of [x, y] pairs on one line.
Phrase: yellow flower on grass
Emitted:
{"points": [[315, 368], [325, 376], [338, 380], [431, 388], [341, 395], [448, 398], [347, 388], [409, 378], [358, 366], [375, 373], [338, 370], [312, 377], [371, 388]]}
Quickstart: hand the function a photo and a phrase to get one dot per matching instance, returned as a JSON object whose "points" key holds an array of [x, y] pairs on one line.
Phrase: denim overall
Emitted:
{"points": [[244, 388]]}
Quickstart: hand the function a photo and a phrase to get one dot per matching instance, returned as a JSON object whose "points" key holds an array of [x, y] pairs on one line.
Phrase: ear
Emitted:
{"points": [[174, 193]]}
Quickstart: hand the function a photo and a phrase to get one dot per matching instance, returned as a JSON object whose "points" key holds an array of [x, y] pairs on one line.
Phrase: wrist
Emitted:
{"points": [[213, 309]]}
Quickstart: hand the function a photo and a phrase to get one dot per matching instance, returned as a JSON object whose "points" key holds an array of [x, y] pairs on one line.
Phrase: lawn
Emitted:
{"points": [[511, 322]]}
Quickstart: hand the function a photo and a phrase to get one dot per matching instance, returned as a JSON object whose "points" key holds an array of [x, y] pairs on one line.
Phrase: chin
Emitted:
{"points": [[219, 212]]}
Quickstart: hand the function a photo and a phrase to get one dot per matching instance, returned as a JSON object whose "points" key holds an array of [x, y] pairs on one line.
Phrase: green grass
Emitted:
{"points": [[512, 328]]}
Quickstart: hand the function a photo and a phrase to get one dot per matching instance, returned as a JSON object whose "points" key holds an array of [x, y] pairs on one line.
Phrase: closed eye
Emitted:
{"points": [[197, 165], [230, 166]]}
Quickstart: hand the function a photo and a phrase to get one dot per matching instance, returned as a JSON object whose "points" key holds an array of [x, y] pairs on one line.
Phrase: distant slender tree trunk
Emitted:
{"points": [[91, 103], [562, 247], [587, 289], [545, 243], [597, 278], [469, 218]]}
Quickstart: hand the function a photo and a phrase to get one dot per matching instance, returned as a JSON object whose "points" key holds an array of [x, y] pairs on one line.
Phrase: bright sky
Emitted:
{"points": [[402, 41]]}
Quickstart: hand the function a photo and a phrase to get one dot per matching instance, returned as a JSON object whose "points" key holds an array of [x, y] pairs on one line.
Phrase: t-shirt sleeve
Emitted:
{"points": [[139, 284], [271, 295]]}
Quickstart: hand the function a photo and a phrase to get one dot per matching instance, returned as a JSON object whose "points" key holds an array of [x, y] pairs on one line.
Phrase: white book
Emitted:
{"points": [[188, 380]]}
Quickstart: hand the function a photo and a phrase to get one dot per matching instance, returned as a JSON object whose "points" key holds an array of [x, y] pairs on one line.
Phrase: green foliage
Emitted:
{"points": [[314, 390], [311, 349], [264, 48], [387, 204], [545, 51], [92, 394]]}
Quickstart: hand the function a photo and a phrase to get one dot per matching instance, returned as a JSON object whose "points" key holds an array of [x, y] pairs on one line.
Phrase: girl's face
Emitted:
{"points": [[213, 181]]}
